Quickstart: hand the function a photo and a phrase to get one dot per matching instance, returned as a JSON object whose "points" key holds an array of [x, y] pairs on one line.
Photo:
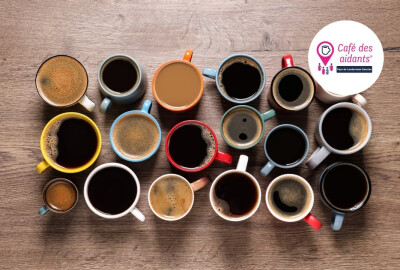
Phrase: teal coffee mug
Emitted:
{"points": [[242, 126], [286, 146], [121, 80], [240, 78], [136, 135]]}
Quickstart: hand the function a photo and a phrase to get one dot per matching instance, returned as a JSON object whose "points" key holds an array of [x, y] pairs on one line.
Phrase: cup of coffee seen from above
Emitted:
{"points": [[60, 195], [292, 88], [62, 81], [290, 198], [121, 80], [242, 126], [136, 135], [178, 85], [239, 78], [70, 143], [191, 146], [343, 129], [171, 196]]}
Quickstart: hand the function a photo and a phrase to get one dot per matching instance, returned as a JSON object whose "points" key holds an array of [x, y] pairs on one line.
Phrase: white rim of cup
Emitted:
{"points": [[236, 219], [89, 178], [159, 179], [353, 107], [298, 178]]}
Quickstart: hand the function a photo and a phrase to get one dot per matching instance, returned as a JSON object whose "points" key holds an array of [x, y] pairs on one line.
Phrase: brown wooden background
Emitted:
{"points": [[153, 32]]}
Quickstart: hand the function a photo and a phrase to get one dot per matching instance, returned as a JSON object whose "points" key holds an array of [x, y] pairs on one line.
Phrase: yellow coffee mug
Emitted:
{"points": [[47, 162]]}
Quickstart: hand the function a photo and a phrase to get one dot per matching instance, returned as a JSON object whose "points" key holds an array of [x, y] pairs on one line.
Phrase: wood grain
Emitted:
{"points": [[154, 32]]}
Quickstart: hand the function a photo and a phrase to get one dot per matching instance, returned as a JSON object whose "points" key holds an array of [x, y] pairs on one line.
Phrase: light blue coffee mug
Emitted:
{"points": [[122, 153], [215, 74], [271, 163], [126, 97]]}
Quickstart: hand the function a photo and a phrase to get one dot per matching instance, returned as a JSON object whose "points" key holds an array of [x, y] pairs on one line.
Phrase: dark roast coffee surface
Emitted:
{"points": [[336, 128], [119, 75], [290, 87], [112, 190]]}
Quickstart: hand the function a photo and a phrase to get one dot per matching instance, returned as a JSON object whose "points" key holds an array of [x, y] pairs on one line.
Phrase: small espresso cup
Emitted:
{"points": [[178, 85], [286, 146], [191, 146], [62, 81], [290, 198], [60, 195], [343, 129], [292, 88], [136, 135], [331, 98], [70, 143], [235, 195], [240, 78], [171, 196], [112, 190], [121, 80], [344, 187], [242, 126]]}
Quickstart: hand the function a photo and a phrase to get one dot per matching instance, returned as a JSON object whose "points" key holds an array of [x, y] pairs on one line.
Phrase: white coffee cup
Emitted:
{"points": [[331, 98]]}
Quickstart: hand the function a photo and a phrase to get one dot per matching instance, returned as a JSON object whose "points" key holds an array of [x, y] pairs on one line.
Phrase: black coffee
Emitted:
{"points": [[290, 87], [112, 190], [241, 80], [289, 197], [71, 142], [192, 146], [119, 75], [239, 191], [286, 146], [345, 186], [336, 128]]}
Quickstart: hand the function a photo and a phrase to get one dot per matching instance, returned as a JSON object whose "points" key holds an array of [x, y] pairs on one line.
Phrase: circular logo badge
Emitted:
{"points": [[345, 58]]}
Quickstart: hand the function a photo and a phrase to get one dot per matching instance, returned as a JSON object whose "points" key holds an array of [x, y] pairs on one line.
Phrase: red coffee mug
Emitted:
{"points": [[216, 155]]}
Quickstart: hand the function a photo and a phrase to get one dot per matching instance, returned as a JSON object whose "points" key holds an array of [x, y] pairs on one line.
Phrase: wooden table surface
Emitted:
{"points": [[154, 32]]}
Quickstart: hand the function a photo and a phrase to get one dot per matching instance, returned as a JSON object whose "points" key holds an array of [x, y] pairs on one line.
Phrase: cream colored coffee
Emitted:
{"points": [[135, 136], [171, 197], [293, 88], [62, 80], [242, 127]]}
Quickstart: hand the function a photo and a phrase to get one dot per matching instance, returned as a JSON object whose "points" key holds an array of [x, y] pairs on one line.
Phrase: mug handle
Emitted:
{"points": [[313, 221], [188, 55], [105, 105], [209, 72], [267, 168], [42, 166], [224, 157], [242, 163], [146, 108], [287, 61], [336, 220], [268, 115], [138, 214], [43, 210], [202, 182], [359, 100], [317, 157], [87, 103]]}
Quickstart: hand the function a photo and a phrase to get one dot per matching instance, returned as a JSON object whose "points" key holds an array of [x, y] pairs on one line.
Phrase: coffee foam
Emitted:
{"points": [[210, 141], [358, 129], [305, 97], [51, 142], [61, 195]]}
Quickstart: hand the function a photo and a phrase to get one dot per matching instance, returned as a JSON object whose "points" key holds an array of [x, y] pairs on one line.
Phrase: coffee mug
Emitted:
{"points": [[330, 98], [292, 88], [242, 127], [344, 187], [191, 146], [171, 196], [343, 129], [286, 146], [136, 135], [121, 80], [70, 143], [178, 85], [235, 195], [240, 78], [62, 81], [290, 198], [60, 195], [112, 190]]}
